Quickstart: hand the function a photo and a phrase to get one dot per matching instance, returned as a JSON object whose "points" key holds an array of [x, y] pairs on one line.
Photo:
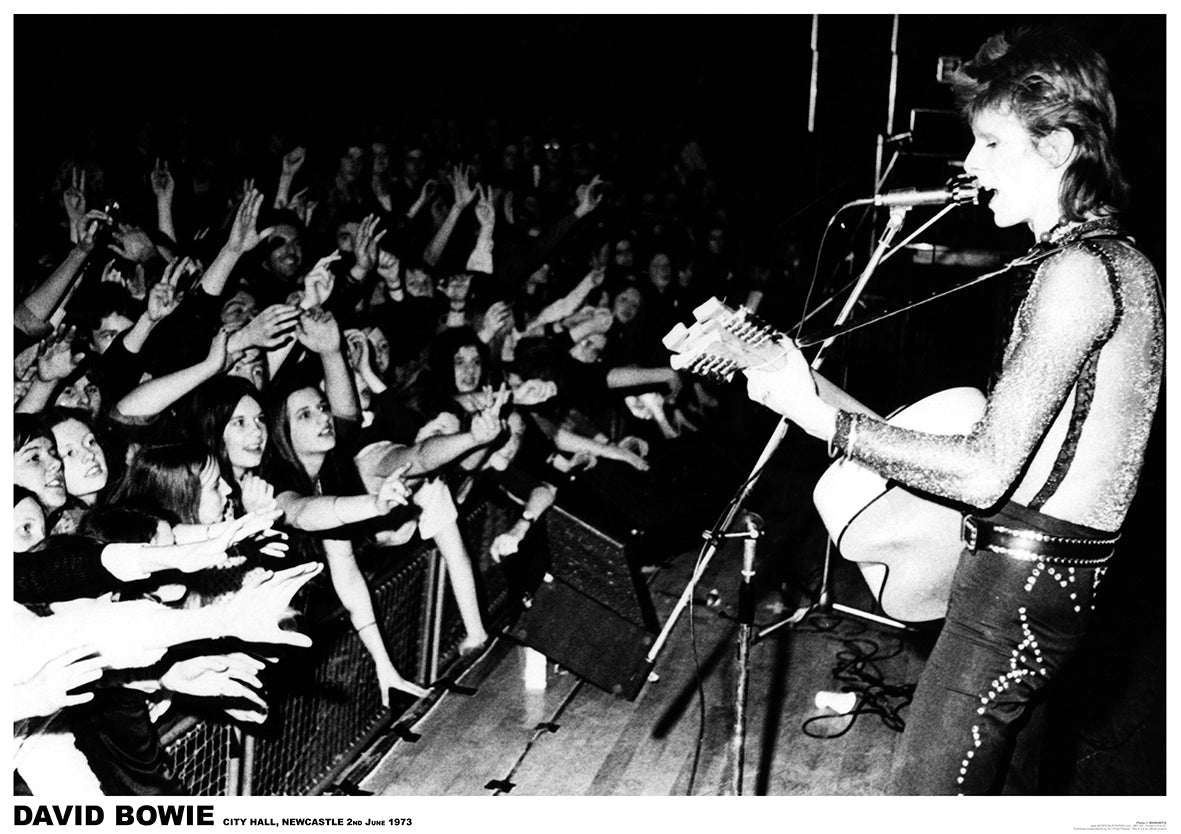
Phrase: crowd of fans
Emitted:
{"points": [[222, 386]]}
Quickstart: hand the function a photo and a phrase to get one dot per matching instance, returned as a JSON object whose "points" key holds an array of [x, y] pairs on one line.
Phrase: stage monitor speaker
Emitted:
{"points": [[598, 565], [587, 637], [591, 612]]}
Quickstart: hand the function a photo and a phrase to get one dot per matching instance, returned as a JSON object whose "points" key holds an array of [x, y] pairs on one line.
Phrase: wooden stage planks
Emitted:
{"points": [[604, 745]]}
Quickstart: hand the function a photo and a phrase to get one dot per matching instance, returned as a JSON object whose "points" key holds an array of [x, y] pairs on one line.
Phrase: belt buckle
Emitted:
{"points": [[968, 532]]}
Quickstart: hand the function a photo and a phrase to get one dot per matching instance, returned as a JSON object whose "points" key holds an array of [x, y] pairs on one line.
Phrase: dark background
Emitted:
{"points": [[738, 84]]}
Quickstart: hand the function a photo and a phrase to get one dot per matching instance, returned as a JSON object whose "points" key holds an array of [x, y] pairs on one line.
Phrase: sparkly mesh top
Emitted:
{"points": [[1068, 417]]}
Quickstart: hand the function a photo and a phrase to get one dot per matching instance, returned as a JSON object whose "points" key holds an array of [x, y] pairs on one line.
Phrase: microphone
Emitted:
{"points": [[957, 190]]}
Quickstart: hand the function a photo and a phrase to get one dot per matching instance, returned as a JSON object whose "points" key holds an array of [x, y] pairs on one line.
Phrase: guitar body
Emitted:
{"points": [[906, 545]]}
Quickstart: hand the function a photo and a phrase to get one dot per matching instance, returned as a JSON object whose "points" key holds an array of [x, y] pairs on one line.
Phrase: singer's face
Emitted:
{"points": [[1007, 160]]}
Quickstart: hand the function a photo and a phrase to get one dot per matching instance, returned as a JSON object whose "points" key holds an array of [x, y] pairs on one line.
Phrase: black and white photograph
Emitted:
{"points": [[588, 405]]}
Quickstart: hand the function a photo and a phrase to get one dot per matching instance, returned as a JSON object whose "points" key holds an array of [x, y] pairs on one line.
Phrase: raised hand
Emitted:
{"points": [[485, 207], [111, 272], [365, 245], [589, 196], [308, 210], [268, 330], [393, 491], [319, 283], [534, 391], [389, 268], [218, 358], [214, 551], [505, 544], [217, 676], [254, 613], [298, 201], [86, 228], [595, 319], [428, 191], [243, 233], [132, 243], [318, 331], [49, 690], [56, 359], [293, 161], [358, 350], [445, 424], [461, 185], [164, 298], [497, 318], [74, 200], [163, 185], [258, 496], [488, 423]]}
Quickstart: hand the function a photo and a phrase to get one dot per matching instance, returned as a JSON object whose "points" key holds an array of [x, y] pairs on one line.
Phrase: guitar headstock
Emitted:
{"points": [[722, 341]]}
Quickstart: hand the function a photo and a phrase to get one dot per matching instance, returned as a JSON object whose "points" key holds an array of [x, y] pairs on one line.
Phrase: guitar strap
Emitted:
{"points": [[1034, 256], [1084, 389]]}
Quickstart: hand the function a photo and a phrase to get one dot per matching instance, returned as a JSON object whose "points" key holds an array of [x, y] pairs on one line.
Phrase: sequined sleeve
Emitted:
{"points": [[1068, 313]]}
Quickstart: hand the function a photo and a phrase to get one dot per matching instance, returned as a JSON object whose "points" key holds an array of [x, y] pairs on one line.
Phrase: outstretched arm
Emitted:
{"points": [[243, 238], [163, 187], [464, 194], [152, 397], [350, 586]]}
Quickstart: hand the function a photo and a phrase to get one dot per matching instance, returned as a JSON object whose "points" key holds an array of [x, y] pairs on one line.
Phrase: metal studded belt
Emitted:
{"points": [[1030, 545]]}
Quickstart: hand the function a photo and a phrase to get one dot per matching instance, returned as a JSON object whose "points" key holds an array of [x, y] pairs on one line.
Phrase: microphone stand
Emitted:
{"points": [[897, 215], [746, 619]]}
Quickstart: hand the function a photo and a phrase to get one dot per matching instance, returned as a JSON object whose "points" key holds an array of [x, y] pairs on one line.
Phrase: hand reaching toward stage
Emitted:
{"points": [[319, 283], [56, 359], [233, 675], [318, 331], [254, 613], [49, 690], [268, 330], [393, 491], [258, 496], [534, 391]]}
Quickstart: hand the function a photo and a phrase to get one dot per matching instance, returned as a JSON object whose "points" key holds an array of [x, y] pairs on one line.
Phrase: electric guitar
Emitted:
{"points": [[906, 544]]}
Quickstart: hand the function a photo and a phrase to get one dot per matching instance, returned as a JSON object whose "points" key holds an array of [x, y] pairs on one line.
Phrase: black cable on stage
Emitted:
{"points": [[857, 671]]}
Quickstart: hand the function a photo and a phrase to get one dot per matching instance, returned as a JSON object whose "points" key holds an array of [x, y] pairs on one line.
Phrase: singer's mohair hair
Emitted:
{"points": [[1051, 79]]}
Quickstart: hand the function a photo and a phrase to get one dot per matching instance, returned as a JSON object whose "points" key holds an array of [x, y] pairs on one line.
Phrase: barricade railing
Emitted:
{"points": [[324, 703]]}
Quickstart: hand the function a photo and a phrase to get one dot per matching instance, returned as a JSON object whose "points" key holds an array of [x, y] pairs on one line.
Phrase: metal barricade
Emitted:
{"points": [[325, 707]]}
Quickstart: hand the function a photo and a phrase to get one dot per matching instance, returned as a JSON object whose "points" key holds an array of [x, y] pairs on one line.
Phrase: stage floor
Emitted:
{"points": [[574, 739]]}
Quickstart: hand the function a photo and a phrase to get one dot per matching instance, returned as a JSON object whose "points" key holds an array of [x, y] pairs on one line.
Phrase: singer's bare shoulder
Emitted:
{"points": [[1072, 293]]}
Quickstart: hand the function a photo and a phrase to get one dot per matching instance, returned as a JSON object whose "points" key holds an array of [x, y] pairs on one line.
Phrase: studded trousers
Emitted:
{"points": [[1010, 627]]}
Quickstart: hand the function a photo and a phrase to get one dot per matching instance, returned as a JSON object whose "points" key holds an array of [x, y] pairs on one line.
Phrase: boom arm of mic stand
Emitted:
{"points": [[897, 215]]}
